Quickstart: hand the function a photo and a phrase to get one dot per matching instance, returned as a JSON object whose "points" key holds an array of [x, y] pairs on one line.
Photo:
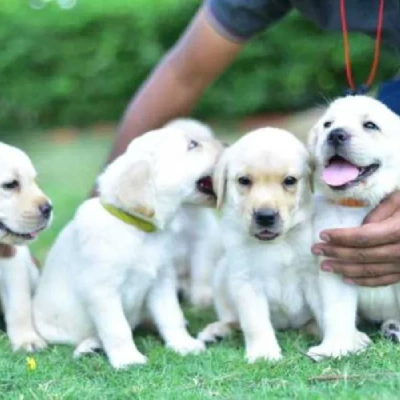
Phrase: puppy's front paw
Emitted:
{"points": [[263, 351], [391, 330], [187, 345], [214, 332], [28, 341], [340, 348], [87, 346], [126, 358]]}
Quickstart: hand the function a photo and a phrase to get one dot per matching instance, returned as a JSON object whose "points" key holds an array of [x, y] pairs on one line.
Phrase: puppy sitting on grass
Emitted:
{"points": [[267, 274], [356, 148], [24, 212], [197, 236], [111, 266]]}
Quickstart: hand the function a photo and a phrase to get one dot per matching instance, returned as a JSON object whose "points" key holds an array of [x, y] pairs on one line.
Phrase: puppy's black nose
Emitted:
{"points": [[45, 210], [338, 137], [266, 217]]}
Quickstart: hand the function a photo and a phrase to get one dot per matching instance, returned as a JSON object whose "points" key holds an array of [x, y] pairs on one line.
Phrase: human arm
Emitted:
{"points": [[177, 83]]}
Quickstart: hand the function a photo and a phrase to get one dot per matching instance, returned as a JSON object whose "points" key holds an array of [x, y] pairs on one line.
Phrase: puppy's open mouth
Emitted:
{"points": [[204, 185], [340, 174], [25, 236], [266, 235]]}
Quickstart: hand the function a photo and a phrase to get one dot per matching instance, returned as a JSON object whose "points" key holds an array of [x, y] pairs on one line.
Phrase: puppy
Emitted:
{"points": [[261, 283], [24, 212], [196, 232], [356, 147], [110, 268]]}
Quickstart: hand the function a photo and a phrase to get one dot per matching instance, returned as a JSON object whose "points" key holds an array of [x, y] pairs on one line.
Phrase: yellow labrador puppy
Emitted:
{"points": [[263, 281], [24, 212], [196, 230], [111, 266], [356, 147]]}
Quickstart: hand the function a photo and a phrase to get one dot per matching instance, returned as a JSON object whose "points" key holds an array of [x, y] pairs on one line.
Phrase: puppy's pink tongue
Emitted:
{"points": [[339, 172]]}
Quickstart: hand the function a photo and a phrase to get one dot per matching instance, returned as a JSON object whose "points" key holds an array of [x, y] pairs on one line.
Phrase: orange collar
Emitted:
{"points": [[349, 202]]}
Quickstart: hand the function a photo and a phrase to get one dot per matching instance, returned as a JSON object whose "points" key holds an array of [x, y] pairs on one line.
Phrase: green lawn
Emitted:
{"points": [[67, 165]]}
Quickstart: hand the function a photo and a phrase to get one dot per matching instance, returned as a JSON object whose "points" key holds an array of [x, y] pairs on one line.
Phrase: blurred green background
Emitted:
{"points": [[80, 64]]}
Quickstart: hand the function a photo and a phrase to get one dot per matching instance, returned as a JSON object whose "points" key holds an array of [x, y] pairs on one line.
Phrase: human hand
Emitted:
{"points": [[368, 255]]}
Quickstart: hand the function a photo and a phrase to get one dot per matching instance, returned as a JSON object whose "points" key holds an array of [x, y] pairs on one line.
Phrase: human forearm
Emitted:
{"points": [[175, 86], [163, 97]]}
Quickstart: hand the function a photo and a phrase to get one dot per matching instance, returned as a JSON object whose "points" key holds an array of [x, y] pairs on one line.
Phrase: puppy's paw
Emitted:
{"points": [[187, 345], [340, 348], [391, 330], [214, 332], [126, 358], [87, 346], [263, 351], [201, 297], [28, 341]]}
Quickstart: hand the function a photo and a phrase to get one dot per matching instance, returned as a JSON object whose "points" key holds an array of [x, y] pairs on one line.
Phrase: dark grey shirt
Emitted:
{"points": [[242, 19]]}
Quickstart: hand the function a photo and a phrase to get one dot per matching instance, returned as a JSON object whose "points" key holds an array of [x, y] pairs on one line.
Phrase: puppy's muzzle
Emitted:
{"points": [[266, 224], [266, 218], [45, 210], [338, 137]]}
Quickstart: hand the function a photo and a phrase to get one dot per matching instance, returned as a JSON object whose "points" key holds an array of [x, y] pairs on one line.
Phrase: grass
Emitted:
{"points": [[67, 163]]}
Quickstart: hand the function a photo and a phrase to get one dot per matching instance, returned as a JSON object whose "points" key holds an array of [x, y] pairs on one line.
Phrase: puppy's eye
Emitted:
{"points": [[244, 181], [370, 126], [327, 124], [290, 181], [193, 144], [10, 185]]}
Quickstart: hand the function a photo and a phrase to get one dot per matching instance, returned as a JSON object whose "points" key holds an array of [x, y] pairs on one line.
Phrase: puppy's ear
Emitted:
{"points": [[135, 189], [220, 178]]}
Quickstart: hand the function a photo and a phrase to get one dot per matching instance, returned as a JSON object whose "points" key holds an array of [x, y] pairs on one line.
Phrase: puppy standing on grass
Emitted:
{"points": [[266, 277], [196, 230], [24, 212], [111, 265], [356, 147]]}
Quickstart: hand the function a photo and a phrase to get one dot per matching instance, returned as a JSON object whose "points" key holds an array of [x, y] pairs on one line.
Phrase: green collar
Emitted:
{"points": [[130, 219]]}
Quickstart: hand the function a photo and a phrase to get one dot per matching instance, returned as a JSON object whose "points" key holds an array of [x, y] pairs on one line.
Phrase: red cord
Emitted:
{"points": [[346, 46]]}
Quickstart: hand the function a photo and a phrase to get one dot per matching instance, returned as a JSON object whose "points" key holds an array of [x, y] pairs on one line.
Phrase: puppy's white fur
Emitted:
{"points": [[103, 276], [196, 230], [340, 301], [263, 285], [20, 199]]}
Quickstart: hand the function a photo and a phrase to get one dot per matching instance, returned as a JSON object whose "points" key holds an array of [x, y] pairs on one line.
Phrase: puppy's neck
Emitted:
{"points": [[137, 221]]}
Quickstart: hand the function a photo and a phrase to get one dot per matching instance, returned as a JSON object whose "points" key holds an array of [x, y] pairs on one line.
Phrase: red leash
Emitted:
{"points": [[346, 46]]}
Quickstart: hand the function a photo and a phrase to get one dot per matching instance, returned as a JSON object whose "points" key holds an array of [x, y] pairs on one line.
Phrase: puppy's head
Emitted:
{"points": [[263, 183], [356, 147], [201, 134], [24, 209], [160, 171]]}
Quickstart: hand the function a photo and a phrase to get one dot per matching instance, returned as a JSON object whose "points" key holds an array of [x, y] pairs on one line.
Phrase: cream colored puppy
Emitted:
{"points": [[263, 282], [24, 212], [356, 146], [111, 266], [198, 246]]}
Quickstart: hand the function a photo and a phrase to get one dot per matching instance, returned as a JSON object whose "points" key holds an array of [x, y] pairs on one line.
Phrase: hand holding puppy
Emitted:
{"points": [[368, 255]]}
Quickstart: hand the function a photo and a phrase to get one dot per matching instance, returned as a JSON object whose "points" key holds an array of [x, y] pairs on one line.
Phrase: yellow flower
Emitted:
{"points": [[31, 363]]}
